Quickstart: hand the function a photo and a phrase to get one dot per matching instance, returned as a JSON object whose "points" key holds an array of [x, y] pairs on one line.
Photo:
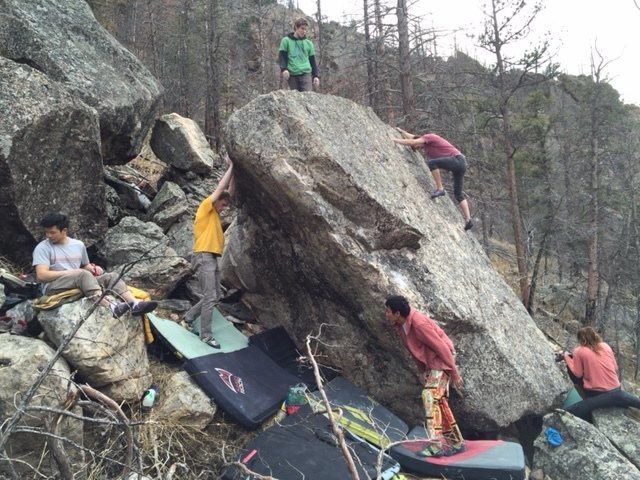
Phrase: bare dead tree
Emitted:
{"points": [[598, 65], [508, 22]]}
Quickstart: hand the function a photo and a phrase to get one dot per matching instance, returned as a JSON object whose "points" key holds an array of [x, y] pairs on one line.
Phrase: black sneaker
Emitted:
{"points": [[143, 307], [119, 309], [212, 342], [468, 225]]}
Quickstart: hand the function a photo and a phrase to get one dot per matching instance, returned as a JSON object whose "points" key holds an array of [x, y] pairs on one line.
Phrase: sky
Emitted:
{"points": [[575, 27]]}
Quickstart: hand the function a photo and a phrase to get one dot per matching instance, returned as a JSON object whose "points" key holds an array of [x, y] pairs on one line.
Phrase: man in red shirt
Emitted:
{"points": [[441, 155], [433, 353]]}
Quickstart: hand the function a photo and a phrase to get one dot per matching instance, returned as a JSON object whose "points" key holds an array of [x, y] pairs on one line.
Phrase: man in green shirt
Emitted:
{"points": [[298, 58]]}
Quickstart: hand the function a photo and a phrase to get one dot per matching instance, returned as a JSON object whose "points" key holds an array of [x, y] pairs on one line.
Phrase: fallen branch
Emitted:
{"points": [[337, 430], [102, 398]]}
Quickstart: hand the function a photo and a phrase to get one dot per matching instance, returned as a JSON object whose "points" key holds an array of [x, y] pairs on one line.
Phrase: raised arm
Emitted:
{"points": [[410, 142], [405, 134], [225, 182]]}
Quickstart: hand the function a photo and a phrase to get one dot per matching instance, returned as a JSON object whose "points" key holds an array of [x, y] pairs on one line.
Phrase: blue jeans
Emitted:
{"points": [[205, 265]]}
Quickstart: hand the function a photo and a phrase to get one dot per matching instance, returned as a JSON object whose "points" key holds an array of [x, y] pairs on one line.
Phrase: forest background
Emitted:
{"points": [[553, 158]]}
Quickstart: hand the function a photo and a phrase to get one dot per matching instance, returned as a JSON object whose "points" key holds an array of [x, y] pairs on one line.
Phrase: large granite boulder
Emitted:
{"points": [[334, 218], [585, 454], [179, 141], [108, 353], [140, 250], [21, 360], [63, 40], [49, 159], [621, 430]]}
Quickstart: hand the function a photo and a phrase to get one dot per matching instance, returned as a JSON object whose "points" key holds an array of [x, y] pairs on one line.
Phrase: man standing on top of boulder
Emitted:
{"points": [[207, 248], [433, 353], [297, 58], [62, 263], [441, 155]]}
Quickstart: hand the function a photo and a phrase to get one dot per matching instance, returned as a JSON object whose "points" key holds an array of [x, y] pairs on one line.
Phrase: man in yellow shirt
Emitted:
{"points": [[207, 248]]}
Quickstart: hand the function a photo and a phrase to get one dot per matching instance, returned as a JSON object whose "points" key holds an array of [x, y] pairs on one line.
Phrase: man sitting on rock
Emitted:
{"points": [[62, 263]]}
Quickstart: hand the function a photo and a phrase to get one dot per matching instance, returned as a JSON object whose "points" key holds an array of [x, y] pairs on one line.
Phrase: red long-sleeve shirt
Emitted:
{"points": [[428, 344], [437, 147], [597, 370]]}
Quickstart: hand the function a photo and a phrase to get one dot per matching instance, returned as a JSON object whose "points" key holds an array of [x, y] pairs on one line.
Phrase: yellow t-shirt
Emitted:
{"points": [[207, 229]]}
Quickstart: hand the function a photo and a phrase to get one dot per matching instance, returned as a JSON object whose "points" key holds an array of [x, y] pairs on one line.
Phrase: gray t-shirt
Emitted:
{"points": [[58, 257]]}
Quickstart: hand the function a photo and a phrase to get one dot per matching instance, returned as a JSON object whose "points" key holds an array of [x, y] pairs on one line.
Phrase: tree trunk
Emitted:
{"points": [[320, 49], [521, 260], [385, 88], [368, 48], [183, 58], [404, 59], [212, 97]]}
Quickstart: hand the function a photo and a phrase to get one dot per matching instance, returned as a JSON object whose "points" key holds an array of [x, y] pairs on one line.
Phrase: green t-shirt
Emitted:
{"points": [[298, 52]]}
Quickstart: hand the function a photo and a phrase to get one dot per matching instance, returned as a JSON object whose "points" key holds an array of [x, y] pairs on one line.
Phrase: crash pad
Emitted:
{"points": [[185, 344], [573, 396], [278, 345], [303, 446], [361, 414], [230, 338], [481, 459], [246, 384]]}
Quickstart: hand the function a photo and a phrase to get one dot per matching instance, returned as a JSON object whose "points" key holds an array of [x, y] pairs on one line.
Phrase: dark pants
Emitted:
{"points": [[457, 166], [302, 83]]}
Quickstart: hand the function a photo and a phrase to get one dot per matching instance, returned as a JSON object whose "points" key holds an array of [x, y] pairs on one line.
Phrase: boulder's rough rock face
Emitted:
{"points": [[183, 403], [179, 141], [141, 249], [63, 40], [21, 360], [334, 218], [181, 236], [168, 205], [585, 454], [109, 353], [49, 159], [623, 432]]}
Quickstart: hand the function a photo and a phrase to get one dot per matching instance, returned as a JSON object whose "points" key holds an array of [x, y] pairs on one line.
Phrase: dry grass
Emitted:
{"points": [[166, 449]]}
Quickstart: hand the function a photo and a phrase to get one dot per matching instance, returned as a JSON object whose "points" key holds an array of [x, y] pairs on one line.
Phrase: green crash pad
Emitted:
{"points": [[572, 398], [188, 345]]}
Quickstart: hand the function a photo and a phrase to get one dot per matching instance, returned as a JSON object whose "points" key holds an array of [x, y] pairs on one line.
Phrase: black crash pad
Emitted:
{"points": [[246, 384], [303, 447], [361, 414], [279, 346]]}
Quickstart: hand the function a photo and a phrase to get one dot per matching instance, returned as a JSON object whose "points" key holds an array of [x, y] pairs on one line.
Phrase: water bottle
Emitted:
{"points": [[149, 397]]}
